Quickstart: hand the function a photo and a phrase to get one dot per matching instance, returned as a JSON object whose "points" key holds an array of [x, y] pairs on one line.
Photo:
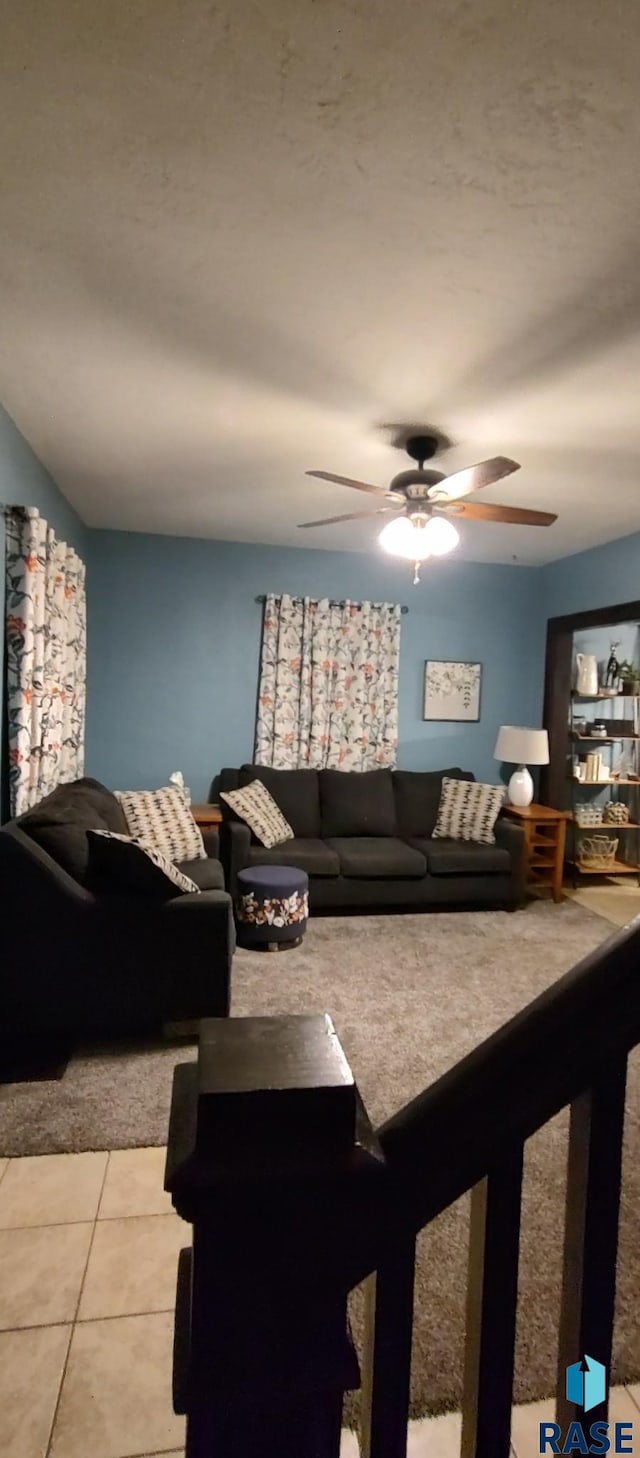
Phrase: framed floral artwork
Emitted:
{"points": [[452, 690]]}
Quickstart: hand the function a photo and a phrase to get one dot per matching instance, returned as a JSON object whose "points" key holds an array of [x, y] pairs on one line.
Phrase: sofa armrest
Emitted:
{"points": [[86, 963], [198, 920], [235, 847], [181, 950], [212, 905], [202, 928], [204, 914], [511, 837]]}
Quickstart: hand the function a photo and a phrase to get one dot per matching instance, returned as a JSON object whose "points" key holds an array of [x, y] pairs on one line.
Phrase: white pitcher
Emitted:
{"points": [[587, 680]]}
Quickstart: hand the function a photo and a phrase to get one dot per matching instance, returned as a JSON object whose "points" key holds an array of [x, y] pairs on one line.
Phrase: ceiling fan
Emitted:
{"points": [[425, 500]]}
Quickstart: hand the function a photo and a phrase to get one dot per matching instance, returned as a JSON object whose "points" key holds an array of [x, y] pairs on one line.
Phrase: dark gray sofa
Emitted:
{"points": [[365, 841], [79, 961]]}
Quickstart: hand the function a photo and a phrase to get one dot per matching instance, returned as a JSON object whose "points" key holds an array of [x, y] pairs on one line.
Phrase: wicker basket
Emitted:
{"points": [[615, 813], [588, 815], [597, 852]]}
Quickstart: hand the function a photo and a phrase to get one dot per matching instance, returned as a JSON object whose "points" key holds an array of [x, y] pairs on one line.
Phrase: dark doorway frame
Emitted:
{"points": [[558, 672]]}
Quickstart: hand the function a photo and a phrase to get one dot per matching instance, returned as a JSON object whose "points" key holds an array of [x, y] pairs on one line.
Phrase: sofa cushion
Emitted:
{"points": [[121, 863], [355, 803], [295, 793], [313, 856], [59, 824], [256, 806], [468, 812], [163, 818], [97, 797], [463, 858], [417, 797], [208, 875], [378, 856]]}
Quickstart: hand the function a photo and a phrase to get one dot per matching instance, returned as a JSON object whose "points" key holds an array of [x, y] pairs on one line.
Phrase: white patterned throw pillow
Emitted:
{"points": [[468, 811], [258, 809], [163, 819], [131, 865]]}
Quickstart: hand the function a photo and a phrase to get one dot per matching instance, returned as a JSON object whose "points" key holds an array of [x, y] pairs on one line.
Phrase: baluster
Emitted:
{"points": [[492, 1295], [387, 1355], [591, 1231]]}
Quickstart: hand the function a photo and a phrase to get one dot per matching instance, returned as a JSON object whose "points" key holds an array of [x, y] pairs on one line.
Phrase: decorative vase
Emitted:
{"points": [[587, 676], [520, 787]]}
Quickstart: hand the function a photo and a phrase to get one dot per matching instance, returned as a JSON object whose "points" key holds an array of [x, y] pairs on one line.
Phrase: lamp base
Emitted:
{"points": [[520, 789]]}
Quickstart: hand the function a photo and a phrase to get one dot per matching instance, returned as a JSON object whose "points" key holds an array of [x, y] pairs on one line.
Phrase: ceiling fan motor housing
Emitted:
{"points": [[414, 485]]}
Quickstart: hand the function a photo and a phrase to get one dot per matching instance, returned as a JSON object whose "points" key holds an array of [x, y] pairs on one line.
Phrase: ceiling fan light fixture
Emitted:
{"points": [[406, 537], [417, 537], [441, 535]]}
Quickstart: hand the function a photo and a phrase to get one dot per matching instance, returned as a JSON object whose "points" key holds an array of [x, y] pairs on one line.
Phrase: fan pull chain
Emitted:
{"points": [[416, 573]]}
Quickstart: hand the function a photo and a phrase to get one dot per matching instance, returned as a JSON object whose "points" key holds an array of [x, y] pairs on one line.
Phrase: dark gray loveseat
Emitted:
{"points": [[76, 961], [365, 841]]}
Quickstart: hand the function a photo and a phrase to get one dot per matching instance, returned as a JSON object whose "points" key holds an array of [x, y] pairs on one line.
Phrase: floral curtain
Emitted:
{"points": [[328, 693], [46, 659]]}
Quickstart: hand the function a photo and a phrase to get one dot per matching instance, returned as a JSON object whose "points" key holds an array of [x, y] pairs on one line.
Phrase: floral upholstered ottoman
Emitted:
{"points": [[272, 907]]}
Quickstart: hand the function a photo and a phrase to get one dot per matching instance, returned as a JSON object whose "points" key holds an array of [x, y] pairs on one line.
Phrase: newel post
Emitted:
{"points": [[272, 1161]]}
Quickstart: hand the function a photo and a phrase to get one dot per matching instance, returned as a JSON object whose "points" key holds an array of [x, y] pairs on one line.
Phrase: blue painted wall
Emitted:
{"points": [[601, 577], [174, 635], [25, 482]]}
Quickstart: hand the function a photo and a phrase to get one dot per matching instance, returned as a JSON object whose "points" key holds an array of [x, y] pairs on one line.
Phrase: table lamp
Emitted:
{"points": [[522, 747]]}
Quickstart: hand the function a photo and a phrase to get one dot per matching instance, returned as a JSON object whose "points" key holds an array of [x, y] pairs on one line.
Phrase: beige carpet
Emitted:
{"points": [[409, 995]]}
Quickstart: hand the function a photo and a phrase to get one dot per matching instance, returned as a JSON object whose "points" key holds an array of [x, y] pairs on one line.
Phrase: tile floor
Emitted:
{"points": [[617, 899], [88, 1248]]}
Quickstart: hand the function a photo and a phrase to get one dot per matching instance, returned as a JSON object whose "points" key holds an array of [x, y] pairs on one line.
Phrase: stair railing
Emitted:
{"points": [[335, 1207]]}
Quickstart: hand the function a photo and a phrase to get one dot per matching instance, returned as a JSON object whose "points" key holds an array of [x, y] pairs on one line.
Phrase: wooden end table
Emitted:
{"points": [[544, 831], [206, 814]]}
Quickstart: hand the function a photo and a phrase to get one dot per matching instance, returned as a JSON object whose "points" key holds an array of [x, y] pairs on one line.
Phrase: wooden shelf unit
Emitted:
{"points": [[627, 722], [617, 868], [604, 824], [604, 782], [601, 698], [602, 738]]}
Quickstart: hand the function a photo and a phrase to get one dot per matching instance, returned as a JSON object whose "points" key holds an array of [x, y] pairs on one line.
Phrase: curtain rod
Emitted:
{"points": [[262, 597]]}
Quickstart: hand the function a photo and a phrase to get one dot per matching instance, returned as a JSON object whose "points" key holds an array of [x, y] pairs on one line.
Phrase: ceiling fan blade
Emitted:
{"points": [[488, 511], [350, 516], [357, 485], [473, 478]]}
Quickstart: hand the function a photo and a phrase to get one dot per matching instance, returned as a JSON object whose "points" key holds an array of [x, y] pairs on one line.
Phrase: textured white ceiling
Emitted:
{"points": [[239, 238]]}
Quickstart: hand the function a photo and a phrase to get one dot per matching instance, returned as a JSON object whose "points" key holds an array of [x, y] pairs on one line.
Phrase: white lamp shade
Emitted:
{"points": [[522, 746]]}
